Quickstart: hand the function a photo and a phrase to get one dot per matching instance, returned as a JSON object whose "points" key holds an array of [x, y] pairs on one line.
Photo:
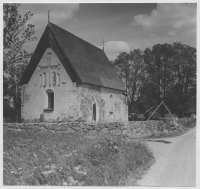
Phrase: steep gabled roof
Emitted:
{"points": [[89, 63]]}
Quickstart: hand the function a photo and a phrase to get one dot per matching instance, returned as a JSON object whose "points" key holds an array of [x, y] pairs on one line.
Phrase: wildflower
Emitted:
{"points": [[74, 152], [61, 168], [47, 167], [53, 166], [72, 181], [81, 183], [68, 155], [77, 169], [48, 172], [65, 183]]}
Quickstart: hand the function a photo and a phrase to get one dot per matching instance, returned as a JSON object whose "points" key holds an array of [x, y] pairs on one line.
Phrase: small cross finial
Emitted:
{"points": [[103, 43], [48, 16]]}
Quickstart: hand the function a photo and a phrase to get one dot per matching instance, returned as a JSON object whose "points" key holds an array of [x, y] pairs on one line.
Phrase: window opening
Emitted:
{"points": [[40, 80], [94, 112], [44, 79], [58, 79], [54, 79], [50, 100]]}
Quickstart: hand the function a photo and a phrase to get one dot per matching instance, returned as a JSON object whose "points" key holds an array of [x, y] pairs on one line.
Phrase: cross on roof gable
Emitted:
{"points": [[83, 61]]}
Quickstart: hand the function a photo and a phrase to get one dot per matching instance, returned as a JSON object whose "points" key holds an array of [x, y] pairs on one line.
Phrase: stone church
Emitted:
{"points": [[70, 78]]}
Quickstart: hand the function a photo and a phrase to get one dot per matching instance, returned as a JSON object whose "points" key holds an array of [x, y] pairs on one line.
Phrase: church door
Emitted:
{"points": [[94, 112]]}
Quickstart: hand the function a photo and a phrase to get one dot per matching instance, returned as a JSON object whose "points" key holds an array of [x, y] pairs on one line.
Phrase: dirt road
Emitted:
{"points": [[175, 162]]}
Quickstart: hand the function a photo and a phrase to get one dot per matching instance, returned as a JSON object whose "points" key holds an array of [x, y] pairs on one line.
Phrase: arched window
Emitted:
{"points": [[40, 80], [54, 78], [44, 79], [50, 98], [58, 79], [94, 112]]}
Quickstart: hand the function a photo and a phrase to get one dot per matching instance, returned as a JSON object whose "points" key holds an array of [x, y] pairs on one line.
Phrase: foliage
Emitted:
{"points": [[171, 70], [33, 158], [183, 92], [187, 122], [166, 72], [17, 32], [8, 110], [130, 67]]}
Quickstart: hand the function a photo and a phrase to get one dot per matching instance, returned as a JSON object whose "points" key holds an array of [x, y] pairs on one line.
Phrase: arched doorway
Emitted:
{"points": [[94, 117], [95, 112]]}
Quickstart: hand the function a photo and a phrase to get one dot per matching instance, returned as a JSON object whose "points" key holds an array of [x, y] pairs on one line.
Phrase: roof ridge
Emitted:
{"points": [[58, 41], [88, 62], [75, 36]]}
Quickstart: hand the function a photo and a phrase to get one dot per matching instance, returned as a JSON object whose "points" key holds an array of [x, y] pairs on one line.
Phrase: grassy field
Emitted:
{"points": [[32, 158]]}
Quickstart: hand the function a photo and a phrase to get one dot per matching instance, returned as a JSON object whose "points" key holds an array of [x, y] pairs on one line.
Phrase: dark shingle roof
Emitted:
{"points": [[89, 62]]}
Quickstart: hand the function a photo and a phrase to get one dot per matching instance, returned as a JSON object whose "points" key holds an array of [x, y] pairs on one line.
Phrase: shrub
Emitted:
{"points": [[187, 122]]}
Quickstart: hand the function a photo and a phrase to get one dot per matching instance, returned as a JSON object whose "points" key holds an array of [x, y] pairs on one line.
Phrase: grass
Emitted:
{"points": [[33, 158]]}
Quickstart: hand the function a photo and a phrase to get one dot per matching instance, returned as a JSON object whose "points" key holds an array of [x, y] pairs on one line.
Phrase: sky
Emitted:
{"points": [[124, 26]]}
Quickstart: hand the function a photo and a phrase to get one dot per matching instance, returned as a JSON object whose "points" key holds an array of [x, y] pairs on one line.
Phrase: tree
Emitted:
{"points": [[184, 73], [17, 31], [166, 72], [171, 73], [130, 67]]}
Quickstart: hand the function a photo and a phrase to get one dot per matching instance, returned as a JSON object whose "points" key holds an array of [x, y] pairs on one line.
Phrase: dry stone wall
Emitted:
{"points": [[113, 128], [145, 128], [135, 129]]}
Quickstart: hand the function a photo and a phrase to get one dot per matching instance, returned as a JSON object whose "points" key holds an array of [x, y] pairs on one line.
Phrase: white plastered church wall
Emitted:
{"points": [[70, 100]]}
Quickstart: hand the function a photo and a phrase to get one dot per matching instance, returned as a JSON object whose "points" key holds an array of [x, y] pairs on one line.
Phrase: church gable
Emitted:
{"points": [[50, 91], [47, 41], [50, 72], [84, 62]]}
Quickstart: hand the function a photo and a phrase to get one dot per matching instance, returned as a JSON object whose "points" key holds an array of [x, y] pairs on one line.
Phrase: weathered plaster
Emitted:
{"points": [[114, 110], [71, 100]]}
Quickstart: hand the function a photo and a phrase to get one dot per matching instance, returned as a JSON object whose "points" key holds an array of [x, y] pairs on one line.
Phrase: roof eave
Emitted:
{"points": [[78, 77], [102, 86], [21, 82]]}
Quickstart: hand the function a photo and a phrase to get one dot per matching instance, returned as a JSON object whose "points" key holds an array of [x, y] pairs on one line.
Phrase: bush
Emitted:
{"points": [[8, 112], [187, 122]]}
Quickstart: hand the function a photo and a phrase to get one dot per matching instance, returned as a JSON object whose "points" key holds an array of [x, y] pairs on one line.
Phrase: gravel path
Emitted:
{"points": [[175, 162]]}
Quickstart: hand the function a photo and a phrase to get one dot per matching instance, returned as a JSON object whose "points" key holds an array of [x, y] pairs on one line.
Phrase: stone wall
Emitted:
{"points": [[138, 129], [145, 128], [135, 129], [114, 128]]}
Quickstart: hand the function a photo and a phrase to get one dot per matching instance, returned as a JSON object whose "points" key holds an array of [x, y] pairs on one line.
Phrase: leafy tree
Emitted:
{"points": [[158, 66], [183, 92], [130, 67], [171, 73], [166, 72], [17, 31]]}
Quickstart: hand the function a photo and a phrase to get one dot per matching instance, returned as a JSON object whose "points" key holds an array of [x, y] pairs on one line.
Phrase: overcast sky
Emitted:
{"points": [[124, 27]]}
